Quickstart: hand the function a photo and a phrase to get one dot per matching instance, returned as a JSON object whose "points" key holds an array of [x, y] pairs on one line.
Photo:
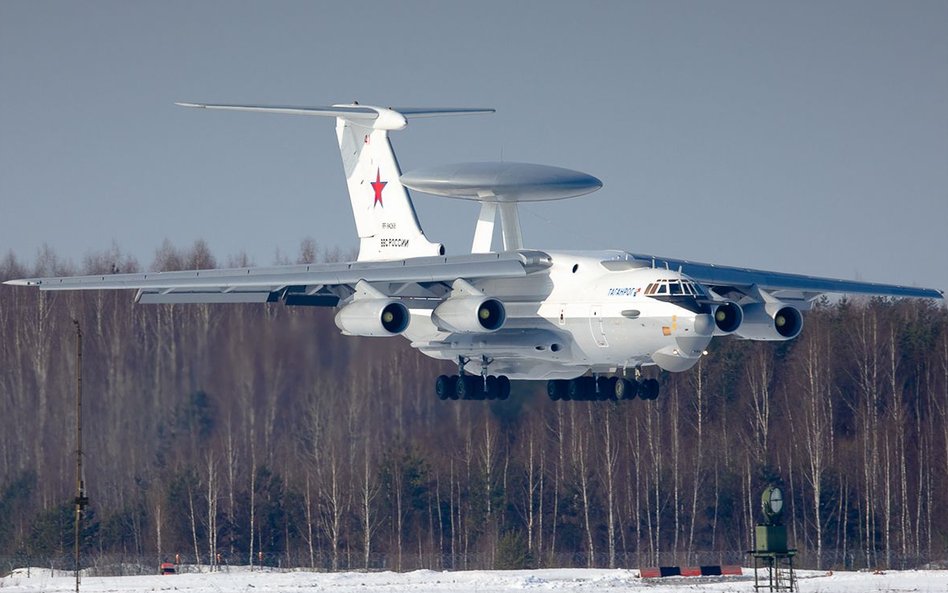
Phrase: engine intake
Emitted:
{"points": [[727, 318], [771, 321], [373, 317], [468, 315]]}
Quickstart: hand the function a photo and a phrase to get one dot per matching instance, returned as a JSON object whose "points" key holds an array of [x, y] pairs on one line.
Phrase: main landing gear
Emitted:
{"points": [[466, 386], [601, 389], [472, 387]]}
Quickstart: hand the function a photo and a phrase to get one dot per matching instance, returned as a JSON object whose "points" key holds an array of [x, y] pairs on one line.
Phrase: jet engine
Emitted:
{"points": [[770, 321], [728, 317], [469, 315], [373, 317]]}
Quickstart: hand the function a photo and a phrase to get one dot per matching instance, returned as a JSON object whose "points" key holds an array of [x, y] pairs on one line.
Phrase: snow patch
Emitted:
{"points": [[243, 579]]}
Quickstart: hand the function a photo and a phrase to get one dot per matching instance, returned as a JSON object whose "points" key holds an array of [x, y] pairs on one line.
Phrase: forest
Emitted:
{"points": [[237, 434]]}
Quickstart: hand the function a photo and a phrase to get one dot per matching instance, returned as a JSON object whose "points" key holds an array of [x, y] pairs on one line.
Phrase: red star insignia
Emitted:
{"points": [[378, 185]]}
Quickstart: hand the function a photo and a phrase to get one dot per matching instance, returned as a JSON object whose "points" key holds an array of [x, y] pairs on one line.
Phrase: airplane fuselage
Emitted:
{"points": [[588, 311]]}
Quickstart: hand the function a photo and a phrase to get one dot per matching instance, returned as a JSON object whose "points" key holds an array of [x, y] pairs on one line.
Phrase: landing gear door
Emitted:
{"points": [[597, 327]]}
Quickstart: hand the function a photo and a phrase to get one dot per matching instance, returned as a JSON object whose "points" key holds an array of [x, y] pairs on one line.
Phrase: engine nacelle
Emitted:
{"points": [[728, 317], [771, 321], [373, 317], [469, 315]]}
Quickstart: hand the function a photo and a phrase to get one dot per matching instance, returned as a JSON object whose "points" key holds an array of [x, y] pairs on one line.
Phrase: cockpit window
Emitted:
{"points": [[683, 292], [675, 288]]}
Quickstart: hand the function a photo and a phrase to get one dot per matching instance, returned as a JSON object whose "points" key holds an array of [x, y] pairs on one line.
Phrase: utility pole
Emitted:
{"points": [[81, 499]]}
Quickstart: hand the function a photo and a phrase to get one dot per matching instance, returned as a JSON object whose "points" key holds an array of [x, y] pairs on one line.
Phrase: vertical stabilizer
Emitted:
{"points": [[385, 218], [384, 215]]}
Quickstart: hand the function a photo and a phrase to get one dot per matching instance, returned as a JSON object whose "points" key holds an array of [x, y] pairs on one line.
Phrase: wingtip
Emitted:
{"points": [[19, 282], [188, 104]]}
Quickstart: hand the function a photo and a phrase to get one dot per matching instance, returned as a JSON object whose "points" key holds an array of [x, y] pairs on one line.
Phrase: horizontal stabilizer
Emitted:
{"points": [[350, 112], [411, 112], [345, 111]]}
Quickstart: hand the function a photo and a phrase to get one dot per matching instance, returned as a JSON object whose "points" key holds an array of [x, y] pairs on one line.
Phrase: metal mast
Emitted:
{"points": [[81, 499]]}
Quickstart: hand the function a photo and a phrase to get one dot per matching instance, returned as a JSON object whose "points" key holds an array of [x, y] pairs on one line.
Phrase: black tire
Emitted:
{"points": [[503, 384], [493, 387], [581, 388], [626, 389], [556, 389], [466, 387], [478, 391], [650, 389], [453, 394], [611, 388], [602, 388], [445, 386]]}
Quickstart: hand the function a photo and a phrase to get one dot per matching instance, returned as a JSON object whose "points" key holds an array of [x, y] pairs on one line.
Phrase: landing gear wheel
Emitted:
{"points": [[649, 389], [492, 388], [581, 388], [556, 389], [445, 387], [602, 387], [503, 386], [468, 387], [626, 389], [610, 389]]}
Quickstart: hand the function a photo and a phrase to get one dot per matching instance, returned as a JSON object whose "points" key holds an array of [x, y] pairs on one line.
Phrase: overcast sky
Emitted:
{"points": [[803, 137]]}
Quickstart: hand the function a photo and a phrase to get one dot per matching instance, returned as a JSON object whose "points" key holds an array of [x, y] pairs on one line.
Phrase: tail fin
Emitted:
{"points": [[384, 215]]}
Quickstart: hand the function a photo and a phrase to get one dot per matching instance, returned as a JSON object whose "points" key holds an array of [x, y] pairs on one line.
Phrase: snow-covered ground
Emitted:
{"points": [[481, 581]]}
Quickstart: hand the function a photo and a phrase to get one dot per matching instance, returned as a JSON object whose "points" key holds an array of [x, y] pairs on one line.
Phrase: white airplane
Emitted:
{"points": [[587, 322]]}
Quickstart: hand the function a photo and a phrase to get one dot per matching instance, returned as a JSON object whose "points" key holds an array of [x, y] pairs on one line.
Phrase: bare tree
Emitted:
{"points": [[698, 454], [610, 460], [817, 418], [308, 251], [759, 377], [583, 471]]}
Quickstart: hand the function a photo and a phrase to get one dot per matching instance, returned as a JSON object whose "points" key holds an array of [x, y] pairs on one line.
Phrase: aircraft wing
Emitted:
{"points": [[304, 284], [734, 282]]}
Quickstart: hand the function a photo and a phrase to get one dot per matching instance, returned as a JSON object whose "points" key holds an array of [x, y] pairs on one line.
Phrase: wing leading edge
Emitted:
{"points": [[726, 279], [303, 284]]}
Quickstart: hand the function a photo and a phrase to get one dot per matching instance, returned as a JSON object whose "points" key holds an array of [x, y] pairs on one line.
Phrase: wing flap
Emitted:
{"points": [[176, 298]]}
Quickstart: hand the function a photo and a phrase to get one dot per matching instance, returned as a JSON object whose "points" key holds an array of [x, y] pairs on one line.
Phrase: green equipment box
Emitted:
{"points": [[771, 538]]}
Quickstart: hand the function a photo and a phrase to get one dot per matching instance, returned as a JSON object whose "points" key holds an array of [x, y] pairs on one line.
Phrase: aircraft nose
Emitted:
{"points": [[693, 346]]}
